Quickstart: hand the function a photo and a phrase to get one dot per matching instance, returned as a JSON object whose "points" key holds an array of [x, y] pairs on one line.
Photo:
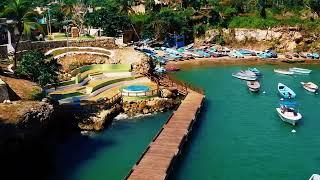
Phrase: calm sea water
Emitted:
{"points": [[240, 135], [109, 155]]}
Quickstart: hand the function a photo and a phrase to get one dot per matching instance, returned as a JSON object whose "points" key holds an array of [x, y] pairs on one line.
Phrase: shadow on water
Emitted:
{"points": [[76, 151], [193, 135]]}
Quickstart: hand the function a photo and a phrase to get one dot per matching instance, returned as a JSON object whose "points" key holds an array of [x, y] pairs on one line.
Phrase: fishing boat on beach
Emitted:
{"points": [[253, 86], [245, 75], [288, 112], [172, 68], [255, 71], [315, 177], [300, 70], [285, 91], [283, 71], [309, 86]]}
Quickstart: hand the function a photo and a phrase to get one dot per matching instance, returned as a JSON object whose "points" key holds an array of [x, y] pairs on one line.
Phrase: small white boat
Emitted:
{"points": [[300, 70], [315, 177], [254, 86], [245, 75], [283, 71], [288, 113], [309, 86], [285, 91]]}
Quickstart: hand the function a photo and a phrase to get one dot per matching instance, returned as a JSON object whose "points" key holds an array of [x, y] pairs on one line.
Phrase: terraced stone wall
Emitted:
{"points": [[107, 42]]}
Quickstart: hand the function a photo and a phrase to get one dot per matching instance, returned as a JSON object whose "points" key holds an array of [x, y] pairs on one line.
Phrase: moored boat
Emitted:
{"points": [[172, 68], [300, 70], [283, 71], [288, 113], [309, 86], [255, 70], [285, 91], [245, 75], [315, 177], [254, 86]]}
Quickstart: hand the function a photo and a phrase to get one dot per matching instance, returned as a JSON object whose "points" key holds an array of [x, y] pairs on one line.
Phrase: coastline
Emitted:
{"points": [[228, 61]]}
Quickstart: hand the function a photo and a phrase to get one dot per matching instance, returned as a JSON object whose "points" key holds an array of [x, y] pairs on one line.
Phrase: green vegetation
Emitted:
{"points": [[101, 68], [39, 68], [26, 20]]}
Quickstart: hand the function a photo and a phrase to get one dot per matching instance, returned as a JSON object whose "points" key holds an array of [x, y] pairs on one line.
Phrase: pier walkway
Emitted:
{"points": [[158, 159]]}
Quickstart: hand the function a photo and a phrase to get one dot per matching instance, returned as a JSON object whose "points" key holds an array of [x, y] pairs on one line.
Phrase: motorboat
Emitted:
{"points": [[309, 86], [283, 71], [172, 68], [235, 54], [254, 86], [315, 177], [255, 71], [300, 70], [313, 55], [245, 75], [285, 91], [288, 113], [246, 52]]}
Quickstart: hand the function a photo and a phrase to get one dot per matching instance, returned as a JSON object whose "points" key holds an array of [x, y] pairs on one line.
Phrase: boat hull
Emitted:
{"points": [[285, 91], [283, 72], [300, 71], [308, 88], [245, 77], [293, 121]]}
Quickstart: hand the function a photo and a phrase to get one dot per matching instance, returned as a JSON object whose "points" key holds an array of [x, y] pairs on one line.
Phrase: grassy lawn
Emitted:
{"points": [[62, 36]]}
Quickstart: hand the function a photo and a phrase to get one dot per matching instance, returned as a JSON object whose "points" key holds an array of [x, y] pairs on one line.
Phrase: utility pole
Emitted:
{"points": [[49, 20]]}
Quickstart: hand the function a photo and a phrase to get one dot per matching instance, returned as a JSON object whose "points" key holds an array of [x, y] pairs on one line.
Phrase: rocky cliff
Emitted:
{"points": [[282, 39], [3, 91], [157, 104], [98, 121]]}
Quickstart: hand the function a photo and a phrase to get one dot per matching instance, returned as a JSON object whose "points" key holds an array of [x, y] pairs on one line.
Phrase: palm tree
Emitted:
{"points": [[24, 19]]}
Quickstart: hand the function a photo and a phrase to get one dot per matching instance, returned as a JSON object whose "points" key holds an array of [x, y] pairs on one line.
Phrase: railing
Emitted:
{"points": [[165, 80], [152, 92], [170, 81], [184, 84], [103, 103]]}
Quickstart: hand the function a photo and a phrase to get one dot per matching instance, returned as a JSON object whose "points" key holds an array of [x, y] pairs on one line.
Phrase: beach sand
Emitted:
{"points": [[228, 61]]}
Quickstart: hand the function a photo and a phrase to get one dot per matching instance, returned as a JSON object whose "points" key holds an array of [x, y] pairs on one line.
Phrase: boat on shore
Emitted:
{"points": [[315, 177], [255, 70], [253, 86], [285, 91], [172, 68], [283, 71], [309, 86], [288, 113], [245, 75], [300, 70]]}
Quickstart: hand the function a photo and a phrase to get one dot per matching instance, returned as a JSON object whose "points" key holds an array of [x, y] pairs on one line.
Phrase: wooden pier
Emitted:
{"points": [[157, 161]]}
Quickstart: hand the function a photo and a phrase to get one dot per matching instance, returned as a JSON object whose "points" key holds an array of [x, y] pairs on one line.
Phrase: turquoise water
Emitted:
{"points": [[240, 136], [108, 155]]}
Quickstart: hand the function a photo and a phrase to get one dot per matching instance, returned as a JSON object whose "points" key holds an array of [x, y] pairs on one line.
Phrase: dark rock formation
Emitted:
{"points": [[133, 108], [100, 120]]}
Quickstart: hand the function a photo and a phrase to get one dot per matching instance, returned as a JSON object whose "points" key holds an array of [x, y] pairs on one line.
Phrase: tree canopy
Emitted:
{"points": [[39, 68]]}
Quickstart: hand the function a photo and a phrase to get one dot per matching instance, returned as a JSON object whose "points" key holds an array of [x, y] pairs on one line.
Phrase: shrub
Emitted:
{"points": [[39, 68]]}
